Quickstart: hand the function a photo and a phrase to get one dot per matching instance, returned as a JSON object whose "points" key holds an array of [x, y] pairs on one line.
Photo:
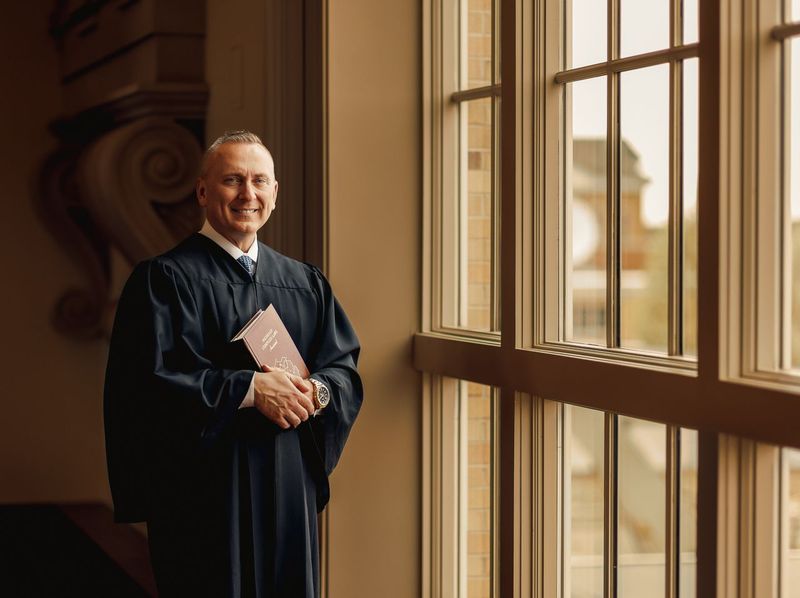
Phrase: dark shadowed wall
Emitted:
{"points": [[51, 448]]}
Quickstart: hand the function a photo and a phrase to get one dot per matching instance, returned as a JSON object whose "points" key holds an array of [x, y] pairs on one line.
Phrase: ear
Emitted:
{"points": [[200, 191], [275, 196]]}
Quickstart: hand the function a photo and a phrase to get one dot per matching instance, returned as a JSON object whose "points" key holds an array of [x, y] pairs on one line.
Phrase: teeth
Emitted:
{"points": [[249, 211]]}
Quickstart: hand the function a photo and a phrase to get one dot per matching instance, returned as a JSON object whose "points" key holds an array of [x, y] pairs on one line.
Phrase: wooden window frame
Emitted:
{"points": [[727, 391], [441, 172], [759, 208]]}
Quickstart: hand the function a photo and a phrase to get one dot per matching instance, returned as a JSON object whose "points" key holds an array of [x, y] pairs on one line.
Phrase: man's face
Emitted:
{"points": [[238, 190]]}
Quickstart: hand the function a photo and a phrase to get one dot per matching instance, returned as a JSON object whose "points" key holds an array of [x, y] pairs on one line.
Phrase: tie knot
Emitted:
{"points": [[247, 263]]}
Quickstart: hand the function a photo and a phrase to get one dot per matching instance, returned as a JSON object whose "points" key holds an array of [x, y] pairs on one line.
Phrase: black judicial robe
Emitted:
{"points": [[230, 498]]}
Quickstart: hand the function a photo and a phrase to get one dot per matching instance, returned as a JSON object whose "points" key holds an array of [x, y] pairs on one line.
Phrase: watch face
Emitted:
{"points": [[323, 396]]}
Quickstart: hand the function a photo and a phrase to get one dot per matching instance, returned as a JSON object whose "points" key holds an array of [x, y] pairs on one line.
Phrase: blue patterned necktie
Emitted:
{"points": [[247, 263]]}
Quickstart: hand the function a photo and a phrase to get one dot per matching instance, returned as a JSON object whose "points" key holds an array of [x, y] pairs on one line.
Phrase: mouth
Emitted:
{"points": [[246, 211]]}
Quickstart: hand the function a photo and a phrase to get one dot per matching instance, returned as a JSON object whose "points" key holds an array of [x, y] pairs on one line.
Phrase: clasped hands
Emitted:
{"points": [[283, 398]]}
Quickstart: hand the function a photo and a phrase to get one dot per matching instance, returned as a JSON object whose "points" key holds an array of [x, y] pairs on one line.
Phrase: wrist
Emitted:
{"points": [[321, 394]]}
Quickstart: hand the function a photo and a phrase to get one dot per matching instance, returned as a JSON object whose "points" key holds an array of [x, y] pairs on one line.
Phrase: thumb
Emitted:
{"points": [[266, 368]]}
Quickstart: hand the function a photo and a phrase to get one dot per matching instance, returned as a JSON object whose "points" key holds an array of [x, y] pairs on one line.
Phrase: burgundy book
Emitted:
{"points": [[265, 337]]}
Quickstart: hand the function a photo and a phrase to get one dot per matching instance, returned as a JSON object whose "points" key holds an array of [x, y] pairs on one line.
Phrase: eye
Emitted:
{"points": [[262, 181], [231, 180]]}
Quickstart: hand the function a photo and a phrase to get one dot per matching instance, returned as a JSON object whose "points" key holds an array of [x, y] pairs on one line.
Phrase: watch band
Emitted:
{"points": [[321, 394]]}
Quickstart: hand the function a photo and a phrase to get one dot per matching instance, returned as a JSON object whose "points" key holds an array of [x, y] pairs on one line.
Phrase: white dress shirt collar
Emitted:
{"points": [[234, 251]]}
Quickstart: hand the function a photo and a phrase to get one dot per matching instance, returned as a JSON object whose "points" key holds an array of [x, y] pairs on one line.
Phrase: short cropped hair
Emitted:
{"points": [[238, 136]]}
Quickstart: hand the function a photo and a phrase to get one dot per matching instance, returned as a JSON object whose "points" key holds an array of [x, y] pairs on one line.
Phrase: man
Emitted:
{"points": [[227, 465]]}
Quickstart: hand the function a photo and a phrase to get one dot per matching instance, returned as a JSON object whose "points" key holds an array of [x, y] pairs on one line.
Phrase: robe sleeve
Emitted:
{"points": [[334, 362], [164, 402]]}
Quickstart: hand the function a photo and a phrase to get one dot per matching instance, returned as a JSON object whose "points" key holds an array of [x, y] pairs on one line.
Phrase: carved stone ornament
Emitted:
{"points": [[132, 188], [134, 97], [138, 183]]}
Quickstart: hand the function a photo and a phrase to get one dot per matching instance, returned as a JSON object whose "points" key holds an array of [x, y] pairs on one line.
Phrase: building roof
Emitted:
{"points": [[589, 159]]}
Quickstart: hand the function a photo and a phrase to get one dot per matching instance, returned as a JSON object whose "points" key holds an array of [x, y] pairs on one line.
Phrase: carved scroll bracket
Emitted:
{"points": [[134, 97], [138, 183], [132, 188]]}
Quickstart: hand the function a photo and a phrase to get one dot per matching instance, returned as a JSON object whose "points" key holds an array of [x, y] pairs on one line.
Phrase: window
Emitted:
{"points": [[625, 93], [466, 145], [629, 504], [637, 406], [769, 216], [790, 524], [462, 420]]}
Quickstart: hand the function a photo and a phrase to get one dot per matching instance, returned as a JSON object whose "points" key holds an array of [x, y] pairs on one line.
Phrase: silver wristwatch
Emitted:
{"points": [[322, 396]]}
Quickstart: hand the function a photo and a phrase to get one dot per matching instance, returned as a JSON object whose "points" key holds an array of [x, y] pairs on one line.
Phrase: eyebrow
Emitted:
{"points": [[239, 174]]}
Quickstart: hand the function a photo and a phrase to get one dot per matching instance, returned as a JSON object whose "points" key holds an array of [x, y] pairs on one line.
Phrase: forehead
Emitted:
{"points": [[241, 157]]}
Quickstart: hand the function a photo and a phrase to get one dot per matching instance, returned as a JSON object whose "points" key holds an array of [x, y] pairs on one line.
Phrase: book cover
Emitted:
{"points": [[266, 339]]}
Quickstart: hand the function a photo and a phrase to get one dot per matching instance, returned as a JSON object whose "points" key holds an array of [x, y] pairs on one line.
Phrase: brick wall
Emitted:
{"points": [[479, 165], [478, 197]]}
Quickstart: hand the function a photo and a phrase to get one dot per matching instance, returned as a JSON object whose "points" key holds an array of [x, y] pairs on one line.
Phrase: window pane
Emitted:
{"points": [[478, 33], [477, 195], [641, 498], [645, 26], [690, 144], [469, 224], [477, 497], [587, 38], [792, 178], [791, 524], [690, 21], [795, 10], [584, 480], [585, 211], [688, 514], [644, 208]]}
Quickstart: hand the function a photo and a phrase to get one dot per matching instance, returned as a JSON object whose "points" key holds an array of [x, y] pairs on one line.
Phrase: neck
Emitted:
{"points": [[243, 243]]}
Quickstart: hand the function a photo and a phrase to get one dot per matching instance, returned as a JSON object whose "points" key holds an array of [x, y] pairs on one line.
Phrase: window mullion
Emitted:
{"points": [[610, 508], [612, 183], [784, 31], [476, 93], [628, 63], [675, 223], [672, 512], [786, 324]]}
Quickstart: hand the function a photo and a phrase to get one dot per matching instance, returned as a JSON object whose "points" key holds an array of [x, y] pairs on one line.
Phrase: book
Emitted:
{"points": [[266, 339]]}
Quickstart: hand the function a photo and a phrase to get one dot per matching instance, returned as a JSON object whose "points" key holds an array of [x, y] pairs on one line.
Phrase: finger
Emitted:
{"points": [[301, 384], [266, 368], [293, 419], [309, 406], [299, 409], [284, 424]]}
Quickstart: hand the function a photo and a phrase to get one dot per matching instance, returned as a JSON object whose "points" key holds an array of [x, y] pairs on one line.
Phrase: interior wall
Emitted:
{"points": [[236, 66], [52, 446], [373, 256], [374, 265]]}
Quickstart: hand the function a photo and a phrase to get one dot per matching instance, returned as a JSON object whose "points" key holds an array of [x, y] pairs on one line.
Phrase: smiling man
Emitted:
{"points": [[227, 465]]}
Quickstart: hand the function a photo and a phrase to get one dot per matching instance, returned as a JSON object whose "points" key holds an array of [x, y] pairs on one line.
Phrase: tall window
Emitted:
{"points": [[787, 34], [790, 524], [770, 206], [630, 506], [467, 126], [627, 88], [463, 426], [464, 163], [639, 149]]}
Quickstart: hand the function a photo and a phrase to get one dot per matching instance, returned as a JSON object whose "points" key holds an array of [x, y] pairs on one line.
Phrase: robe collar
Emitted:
{"points": [[230, 248]]}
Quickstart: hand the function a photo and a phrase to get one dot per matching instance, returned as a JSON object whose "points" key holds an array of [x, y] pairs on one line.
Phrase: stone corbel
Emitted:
{"points": [[132, 188], [138, 183]]}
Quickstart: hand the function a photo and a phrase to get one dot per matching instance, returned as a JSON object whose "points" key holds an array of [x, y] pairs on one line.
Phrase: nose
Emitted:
{"points": [[247, 190]]}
